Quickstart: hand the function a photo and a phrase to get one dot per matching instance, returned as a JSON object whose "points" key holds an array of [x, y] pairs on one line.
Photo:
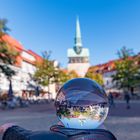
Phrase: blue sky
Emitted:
{"points": [[106, 26]]}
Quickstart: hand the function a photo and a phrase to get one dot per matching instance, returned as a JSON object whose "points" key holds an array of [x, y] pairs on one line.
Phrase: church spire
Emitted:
{"points": [[78, 41]]}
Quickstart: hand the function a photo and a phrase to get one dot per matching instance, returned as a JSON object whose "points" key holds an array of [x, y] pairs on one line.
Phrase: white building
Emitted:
{"points": [[109, 84], [25, 69]]}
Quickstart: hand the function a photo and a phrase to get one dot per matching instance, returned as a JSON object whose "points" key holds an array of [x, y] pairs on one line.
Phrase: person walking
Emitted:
{"points": [[127, 99], [111, 100]]}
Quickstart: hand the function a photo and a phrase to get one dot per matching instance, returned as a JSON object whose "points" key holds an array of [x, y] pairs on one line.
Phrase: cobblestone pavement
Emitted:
{"points": [[125, 124]]}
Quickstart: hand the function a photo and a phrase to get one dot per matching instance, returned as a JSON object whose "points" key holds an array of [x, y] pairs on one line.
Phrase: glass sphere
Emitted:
{"points": [[81, 103]]}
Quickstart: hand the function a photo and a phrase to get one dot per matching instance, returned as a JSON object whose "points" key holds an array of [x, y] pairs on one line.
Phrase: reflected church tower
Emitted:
{"points": [[78, 57]]}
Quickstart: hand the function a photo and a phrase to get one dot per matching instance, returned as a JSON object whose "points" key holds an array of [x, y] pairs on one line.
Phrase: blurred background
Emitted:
{"points": [[44, 43]]}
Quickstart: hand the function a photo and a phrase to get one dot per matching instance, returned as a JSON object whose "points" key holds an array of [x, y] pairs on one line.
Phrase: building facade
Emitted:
{"points": [[108, 70], [78, 57], [25, 68]]}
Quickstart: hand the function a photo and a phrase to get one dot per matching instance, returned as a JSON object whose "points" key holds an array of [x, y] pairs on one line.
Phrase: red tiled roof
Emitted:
{"points": [[15, 44], [12, 42], [38, 57], [64, 70], [108, 66]]}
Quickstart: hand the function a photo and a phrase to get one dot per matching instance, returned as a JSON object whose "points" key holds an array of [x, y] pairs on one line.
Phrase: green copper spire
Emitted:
{"points": [[78, 41]]}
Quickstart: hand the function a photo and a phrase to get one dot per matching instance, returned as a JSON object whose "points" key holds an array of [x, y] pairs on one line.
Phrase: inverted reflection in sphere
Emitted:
{"points": [[81, 103]]}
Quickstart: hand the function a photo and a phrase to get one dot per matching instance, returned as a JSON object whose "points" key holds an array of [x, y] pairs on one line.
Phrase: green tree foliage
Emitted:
{"points": [[72, 74], [46, 72], [127, 69], [125, 53], [95, 76], [8, 54], [3, 27], [137, 76], [64, 76]]}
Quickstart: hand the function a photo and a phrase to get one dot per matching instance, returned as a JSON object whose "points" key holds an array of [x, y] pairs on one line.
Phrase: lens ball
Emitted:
{"points": [[81, 103]]}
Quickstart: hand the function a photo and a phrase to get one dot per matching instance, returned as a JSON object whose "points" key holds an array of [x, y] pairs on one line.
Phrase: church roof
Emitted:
{"points": [[78, 30], [77, 40], [78, 50]]}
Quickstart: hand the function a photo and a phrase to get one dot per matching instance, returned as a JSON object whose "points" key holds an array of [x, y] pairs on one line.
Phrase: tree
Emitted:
{"points": [[95, 76], [137, 76], [72, 74], [8, 54], [62, 77], [46, 72], [125, 53], [127, 70], [3, 27], [7, 59], [65, 76]]}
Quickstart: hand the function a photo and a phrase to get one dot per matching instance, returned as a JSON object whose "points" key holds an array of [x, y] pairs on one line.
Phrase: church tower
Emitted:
{"points": [[78, 57]]}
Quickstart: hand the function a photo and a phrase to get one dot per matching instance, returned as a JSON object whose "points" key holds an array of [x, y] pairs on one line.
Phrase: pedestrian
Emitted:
{"points": [[111, 100], [81, 124], [127, 99]]}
